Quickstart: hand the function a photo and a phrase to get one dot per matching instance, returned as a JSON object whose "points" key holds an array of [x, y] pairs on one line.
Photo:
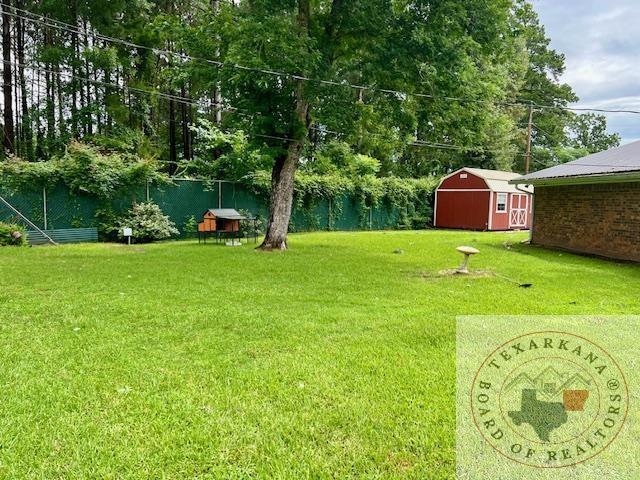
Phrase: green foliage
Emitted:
{"points": [[12, 235], [254, 226], [412, 197], [21, 176], [221, 155], [148, 222], [190, 228], [589, 131], [108, 224], [124, 140], [85, 169], [492, 50], [545, 158], [338, 157]]}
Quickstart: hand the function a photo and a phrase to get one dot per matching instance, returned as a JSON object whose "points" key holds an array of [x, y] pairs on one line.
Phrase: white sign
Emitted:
{"points": [[127, 232]]}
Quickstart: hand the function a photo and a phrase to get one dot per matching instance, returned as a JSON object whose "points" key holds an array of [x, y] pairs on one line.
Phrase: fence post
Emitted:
{"points": [[371, 217], [44, 207], [219, 193], [148, 193]]}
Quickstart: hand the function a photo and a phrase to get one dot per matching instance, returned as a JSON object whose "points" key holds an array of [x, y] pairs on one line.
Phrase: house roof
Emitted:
{"points": [[610, 165], [496, 180], [227, 214]]}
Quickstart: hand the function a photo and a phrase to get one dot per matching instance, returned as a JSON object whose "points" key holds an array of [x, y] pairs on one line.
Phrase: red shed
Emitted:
{"points": [[476, 199]]}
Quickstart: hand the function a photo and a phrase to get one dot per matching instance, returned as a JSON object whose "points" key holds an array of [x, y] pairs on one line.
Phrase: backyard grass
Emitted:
{"points": [[333, 360]]}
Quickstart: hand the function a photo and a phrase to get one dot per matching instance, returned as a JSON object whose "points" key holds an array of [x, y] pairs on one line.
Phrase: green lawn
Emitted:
{"points": [[333, 360]]}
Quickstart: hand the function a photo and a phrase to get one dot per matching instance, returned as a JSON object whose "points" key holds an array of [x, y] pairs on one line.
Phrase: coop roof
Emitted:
{"points": [[616, 164], [226, 214]]}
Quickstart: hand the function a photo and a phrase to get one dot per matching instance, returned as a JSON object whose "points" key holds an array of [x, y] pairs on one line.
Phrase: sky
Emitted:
{"points": [[601, 41]]}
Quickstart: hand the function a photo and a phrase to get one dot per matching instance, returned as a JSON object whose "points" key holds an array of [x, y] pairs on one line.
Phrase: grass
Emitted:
{"points": [[334, 360]]}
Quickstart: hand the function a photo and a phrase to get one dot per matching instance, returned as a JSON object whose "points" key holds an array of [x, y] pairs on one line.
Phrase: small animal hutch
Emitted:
{"points": [[222, 224]]}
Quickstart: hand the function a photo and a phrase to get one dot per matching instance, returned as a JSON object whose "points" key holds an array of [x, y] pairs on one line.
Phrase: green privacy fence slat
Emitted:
{"points": [[30, 204], [183, 199]]}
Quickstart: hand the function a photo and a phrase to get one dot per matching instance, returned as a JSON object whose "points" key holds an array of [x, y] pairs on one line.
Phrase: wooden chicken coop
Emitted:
{"points": [[222, 224]]}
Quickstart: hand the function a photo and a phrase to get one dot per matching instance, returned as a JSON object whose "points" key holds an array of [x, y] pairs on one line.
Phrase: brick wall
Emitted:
{"points": [[601, 219]]}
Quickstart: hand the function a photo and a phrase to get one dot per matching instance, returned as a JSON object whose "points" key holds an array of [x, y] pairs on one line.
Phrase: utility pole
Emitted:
{"points": [[527, 165]]}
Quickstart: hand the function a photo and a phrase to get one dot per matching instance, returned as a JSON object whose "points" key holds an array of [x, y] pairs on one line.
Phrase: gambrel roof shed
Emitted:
{"points": [[479, 199]]}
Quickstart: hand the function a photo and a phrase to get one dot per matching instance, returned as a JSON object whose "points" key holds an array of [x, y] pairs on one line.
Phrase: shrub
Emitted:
{"points": [[256, 226], [108, 224], [190, 228], [12, 235], [148, 222]]}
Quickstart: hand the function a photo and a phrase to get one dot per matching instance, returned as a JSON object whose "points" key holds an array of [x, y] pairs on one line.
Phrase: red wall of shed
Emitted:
{"points": [[499, 220], [464, 210], [457, 182]]}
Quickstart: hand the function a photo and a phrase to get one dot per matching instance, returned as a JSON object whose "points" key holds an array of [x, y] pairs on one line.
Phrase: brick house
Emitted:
{"points": [[590, 205]]}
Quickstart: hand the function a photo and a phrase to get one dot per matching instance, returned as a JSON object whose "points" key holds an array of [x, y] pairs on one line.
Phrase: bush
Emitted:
{"points": [[148, 222], [12, 235], [252, 227], [190, 227]]}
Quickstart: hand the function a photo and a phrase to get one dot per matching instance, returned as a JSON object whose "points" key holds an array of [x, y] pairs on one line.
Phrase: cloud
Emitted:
{"points": [[600, 40]]}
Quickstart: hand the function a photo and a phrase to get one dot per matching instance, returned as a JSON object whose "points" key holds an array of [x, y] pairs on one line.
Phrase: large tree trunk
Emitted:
{"points": [[9, 136], [282, 179], [284, 169]]}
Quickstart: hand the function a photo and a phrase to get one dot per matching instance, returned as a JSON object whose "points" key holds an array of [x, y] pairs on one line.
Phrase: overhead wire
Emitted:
{"points": [[58, 24]]}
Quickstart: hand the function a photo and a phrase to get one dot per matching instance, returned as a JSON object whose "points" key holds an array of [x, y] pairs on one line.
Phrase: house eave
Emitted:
{"points": [[580, 180]]}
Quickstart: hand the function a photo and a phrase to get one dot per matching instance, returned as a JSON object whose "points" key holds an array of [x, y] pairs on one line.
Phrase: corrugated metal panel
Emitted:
{"points": [[72, 235], [625, 159], [227, 214]]}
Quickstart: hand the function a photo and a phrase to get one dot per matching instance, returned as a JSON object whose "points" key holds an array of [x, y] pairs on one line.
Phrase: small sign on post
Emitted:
{"points": [[127, 232]]}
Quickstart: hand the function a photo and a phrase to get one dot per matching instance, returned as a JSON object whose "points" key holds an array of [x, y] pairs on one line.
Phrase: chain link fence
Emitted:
{"points": [[184, 200]]}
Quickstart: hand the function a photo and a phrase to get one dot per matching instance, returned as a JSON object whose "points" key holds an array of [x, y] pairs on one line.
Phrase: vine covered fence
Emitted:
{"points": [[57, 207]]}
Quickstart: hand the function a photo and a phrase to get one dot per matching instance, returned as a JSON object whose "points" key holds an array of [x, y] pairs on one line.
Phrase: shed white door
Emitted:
{"points": [[519, 210]]}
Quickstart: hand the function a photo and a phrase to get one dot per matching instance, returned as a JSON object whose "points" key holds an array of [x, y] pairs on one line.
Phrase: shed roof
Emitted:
{"points": [[492, 174], [497, 180], [610, 165], [227, 214]]}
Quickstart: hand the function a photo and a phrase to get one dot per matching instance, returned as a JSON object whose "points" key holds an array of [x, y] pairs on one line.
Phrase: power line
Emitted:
{"points": [[186, 101], [544, 132], [345, 84], [170, 97]]}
